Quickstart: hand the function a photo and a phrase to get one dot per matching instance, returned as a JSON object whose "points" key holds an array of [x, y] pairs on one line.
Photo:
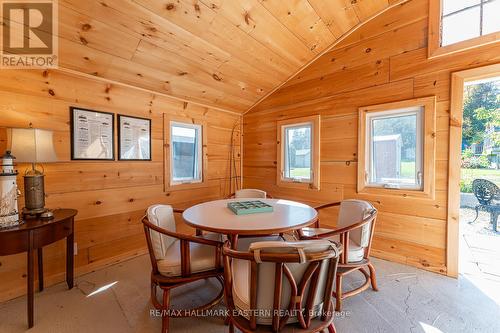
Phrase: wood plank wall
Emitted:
{"points": [[111, 197], [384, 61]]}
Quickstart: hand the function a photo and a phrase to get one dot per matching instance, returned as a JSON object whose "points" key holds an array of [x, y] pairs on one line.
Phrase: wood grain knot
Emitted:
{"points": [[83, 40], [51, 92], [98, 202], [170, 6], [247, 17], [368, 50], [216, 77], [86, 27], [131, 200]]}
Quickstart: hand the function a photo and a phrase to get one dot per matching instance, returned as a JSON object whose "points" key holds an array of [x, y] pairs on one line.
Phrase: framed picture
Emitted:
{"points": [[92, 134], [134, 138]]}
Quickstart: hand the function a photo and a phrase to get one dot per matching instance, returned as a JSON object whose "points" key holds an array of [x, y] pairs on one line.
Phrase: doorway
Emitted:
{"points": [[473, 249]]}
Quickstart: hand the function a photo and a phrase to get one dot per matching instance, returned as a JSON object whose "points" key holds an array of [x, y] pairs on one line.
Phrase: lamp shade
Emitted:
{"points": [[32, 145]]}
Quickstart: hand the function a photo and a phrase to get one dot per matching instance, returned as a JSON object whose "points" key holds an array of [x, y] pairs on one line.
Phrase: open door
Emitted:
{"points": [[458, 152]]}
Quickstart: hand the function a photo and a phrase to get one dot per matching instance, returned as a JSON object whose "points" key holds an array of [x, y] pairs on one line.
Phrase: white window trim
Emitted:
{"points": [[284, 139], [419, 112], [199, 157], [314, 182], [428, 153]]}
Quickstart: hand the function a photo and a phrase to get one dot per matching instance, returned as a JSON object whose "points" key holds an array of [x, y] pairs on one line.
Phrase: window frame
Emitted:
{"points": [[435, 49], [282, 125], [169, 183], [428, 144], [371, 116], [198, 167]]}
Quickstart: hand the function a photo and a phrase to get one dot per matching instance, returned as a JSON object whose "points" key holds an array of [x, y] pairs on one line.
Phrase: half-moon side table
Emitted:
{"points": [[33, 235]]}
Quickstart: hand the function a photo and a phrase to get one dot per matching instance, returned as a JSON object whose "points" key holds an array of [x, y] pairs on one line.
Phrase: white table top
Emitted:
{"points": [[215, 216]]}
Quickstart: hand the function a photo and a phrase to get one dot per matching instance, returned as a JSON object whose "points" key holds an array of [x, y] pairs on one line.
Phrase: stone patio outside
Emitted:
{"points": [[479, 246]]}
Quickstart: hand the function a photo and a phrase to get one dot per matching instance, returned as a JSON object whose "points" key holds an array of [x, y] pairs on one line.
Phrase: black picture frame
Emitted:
{"points": [[120, 157], [73, 131]]}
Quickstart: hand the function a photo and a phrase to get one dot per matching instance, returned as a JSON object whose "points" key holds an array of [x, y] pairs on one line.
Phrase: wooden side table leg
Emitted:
{"points": [[31, 280], [40, 269], [69, 260]]}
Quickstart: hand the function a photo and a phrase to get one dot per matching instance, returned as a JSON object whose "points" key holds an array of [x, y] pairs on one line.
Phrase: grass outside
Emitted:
{"points": [[468, 175], [408, 171], [300, 172]]}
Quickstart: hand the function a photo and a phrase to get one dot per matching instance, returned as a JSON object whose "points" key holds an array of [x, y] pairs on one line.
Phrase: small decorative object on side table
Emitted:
{"points": [[9, 215], [33, 235], [33, 146]]}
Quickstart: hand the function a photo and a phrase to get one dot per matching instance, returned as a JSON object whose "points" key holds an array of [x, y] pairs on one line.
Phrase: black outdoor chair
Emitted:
{"points": [[487, 193]]}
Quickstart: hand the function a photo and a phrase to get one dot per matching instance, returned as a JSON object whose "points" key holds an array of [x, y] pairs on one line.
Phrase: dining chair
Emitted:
{"points": [[249, 193], [278, 286], [355, 225], [178, 259]]}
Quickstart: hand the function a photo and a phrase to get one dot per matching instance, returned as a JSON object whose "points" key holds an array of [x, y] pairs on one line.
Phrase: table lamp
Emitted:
{"points": [[35, 146]]}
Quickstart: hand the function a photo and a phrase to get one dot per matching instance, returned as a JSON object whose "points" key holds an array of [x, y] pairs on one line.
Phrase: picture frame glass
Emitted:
{"points": [[134, 138], [92, 135]]}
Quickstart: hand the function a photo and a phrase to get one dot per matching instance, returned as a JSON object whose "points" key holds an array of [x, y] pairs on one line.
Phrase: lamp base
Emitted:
{"points": [[43, 213]]}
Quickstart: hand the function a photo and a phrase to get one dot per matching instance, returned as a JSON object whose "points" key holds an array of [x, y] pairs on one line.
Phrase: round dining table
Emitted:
{"points": [[215, 216]]}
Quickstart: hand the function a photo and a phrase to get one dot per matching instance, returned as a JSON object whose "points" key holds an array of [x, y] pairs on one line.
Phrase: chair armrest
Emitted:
{"points": [[327, 205], [333, 232], [339, 231], [189, 238]]}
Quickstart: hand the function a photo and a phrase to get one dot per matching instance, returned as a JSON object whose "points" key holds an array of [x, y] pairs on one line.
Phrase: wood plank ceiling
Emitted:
{"points": [[222, 53]]}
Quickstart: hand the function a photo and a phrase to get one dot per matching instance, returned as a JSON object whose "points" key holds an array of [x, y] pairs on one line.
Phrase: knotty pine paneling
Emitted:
{"points": [[111, 197], [355, 74]]}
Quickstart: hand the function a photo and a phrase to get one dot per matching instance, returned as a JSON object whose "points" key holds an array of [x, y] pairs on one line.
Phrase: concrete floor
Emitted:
{"points": [[116, 299]]}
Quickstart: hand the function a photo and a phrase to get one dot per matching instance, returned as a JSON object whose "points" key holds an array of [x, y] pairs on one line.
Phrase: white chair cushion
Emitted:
{"points": [[356, 252], [245, 242], [161, 216], [202, 257], [265, 292], [241, 272], [354, 211], [250, 193]]}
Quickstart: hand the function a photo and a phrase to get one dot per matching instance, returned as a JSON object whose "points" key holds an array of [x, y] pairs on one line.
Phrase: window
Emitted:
{"points": [[185, 153], [396, 150], [456, 25], [298, 152], [466, 19]]}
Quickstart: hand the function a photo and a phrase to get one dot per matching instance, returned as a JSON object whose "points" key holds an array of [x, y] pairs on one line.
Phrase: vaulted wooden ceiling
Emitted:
{"points": [[224, 53]]}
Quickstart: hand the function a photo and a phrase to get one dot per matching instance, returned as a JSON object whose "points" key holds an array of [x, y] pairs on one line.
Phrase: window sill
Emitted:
{"points": [[298, 185], [185, 186], [403, 192]]}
